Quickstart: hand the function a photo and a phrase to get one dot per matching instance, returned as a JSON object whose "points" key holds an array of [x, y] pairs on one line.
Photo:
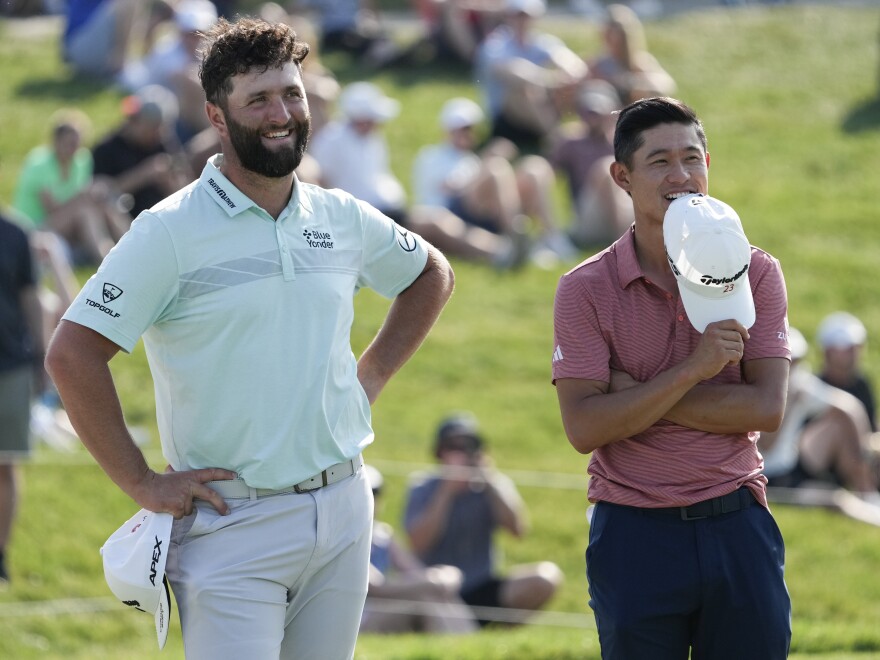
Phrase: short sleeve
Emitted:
{"points": [[768, 337], [393, 257], [579, 346], [133, 287]]}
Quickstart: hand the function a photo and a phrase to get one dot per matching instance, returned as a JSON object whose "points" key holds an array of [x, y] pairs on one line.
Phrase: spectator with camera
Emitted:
{"points": [[451, 518]]}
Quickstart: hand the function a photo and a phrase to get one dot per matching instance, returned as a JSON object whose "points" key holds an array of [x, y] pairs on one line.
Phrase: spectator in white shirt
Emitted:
{"points": [[352, 152], [487, 189]]}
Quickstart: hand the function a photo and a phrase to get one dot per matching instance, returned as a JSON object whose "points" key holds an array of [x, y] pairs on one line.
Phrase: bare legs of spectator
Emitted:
{"points": [[424, 602], [442, 228], [89, 221], [529, 101], [495, 194], [604, 211], [528, 588], [839, 440], [536, 180]]}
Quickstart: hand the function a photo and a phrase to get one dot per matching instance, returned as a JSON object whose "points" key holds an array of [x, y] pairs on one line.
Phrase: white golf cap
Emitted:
{"points": [[533, 8], [710, 255], [363, 101], [134, 566], [797, 343], [195, 15], [841, 330], [460, 112]]}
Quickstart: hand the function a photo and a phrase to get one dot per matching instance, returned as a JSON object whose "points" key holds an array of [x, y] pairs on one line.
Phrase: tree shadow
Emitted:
{"points": [[863, 117]]}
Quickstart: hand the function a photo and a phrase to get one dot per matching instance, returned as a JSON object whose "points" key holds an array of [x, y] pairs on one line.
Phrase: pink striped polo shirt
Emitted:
{"points": [[608, 315]]}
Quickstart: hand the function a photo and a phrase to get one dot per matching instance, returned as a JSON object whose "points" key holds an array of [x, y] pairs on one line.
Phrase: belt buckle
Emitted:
{"points": [[685, 516], [299, 490]]}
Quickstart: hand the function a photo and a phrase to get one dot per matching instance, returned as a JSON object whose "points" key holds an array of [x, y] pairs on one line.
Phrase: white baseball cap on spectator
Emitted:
{"points": [[134, 566], [797, 343], [710, 256], [363, 101], [533, 8], [195, 15], [459, 112], [597, 96], [841, 330]]}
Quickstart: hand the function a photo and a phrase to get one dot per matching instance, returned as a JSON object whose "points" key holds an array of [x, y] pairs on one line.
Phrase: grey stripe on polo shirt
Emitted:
{"points": [[266, 264]]}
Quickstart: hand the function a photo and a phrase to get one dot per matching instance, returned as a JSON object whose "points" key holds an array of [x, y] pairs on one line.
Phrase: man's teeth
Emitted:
{"points": [[278, 134], [678, 195]]}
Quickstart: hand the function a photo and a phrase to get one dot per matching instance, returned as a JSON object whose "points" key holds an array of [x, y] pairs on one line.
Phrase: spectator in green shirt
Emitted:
{"points": [[56, 192]]}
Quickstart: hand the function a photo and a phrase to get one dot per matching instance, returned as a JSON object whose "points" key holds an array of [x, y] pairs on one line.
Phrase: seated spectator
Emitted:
{"points": [[583, 152], [173, 62], [626, 62], [352, 152], [824, 437], [98, 34], [488, 190], [56, 192], [404, 595], [842, 337], [454, 29], [527, 77], [142, 157], [451, 518], [354, 27]]}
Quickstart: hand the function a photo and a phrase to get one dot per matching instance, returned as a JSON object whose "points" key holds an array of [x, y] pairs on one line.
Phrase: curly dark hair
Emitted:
{"points": [[231, 49], [639, 116]]}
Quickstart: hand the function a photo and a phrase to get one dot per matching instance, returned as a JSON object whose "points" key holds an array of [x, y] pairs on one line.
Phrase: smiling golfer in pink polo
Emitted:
{"points": [[671, 355]]}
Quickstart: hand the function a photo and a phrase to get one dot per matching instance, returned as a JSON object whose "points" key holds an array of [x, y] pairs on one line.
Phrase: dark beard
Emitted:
{"points": [[254, 156]]}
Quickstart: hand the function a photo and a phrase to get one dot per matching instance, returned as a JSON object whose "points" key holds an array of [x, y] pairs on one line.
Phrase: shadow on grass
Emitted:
{"points": [[418, 62], [67, 86], [863, 117]]}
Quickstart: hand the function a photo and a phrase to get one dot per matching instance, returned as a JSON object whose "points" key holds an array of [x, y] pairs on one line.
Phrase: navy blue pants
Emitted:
{"points": [[661, 586]]}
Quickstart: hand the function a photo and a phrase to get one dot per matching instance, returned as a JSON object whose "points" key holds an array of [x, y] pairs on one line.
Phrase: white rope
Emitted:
{"points": [[499, 614], [57, 607]]}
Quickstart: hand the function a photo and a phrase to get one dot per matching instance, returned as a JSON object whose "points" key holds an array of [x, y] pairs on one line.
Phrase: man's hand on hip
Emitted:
{"points": [[173, 492]]}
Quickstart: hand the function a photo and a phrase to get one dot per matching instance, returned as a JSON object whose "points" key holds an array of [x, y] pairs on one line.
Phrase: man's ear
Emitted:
{"points": [[620, 175], [707, 159], [216, 117]]}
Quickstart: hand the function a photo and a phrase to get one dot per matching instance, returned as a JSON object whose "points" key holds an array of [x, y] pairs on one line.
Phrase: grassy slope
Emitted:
{"points": [[786, 96]]}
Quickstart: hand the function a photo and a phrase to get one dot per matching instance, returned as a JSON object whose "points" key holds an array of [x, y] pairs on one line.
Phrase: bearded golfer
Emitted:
{"points": [[241, 285]]}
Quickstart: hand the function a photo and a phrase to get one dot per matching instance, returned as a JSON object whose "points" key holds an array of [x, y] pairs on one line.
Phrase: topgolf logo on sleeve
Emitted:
{"points": [[111, 292]]}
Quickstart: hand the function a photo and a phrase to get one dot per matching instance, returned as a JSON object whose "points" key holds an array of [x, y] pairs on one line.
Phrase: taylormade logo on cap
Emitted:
{"points": [[134, 566], [710, 256]]}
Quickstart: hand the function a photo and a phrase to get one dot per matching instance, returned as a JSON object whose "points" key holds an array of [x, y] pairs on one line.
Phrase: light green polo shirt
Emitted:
{"points": [[41, 171], [246, 322]]}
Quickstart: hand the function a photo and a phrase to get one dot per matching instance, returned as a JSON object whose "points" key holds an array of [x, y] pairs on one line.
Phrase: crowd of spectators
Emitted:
{"points": [[547, 114]]}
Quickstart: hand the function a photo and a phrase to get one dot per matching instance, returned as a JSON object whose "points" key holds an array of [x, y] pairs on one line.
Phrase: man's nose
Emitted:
{"points": [[279, 112], [678, 172]]}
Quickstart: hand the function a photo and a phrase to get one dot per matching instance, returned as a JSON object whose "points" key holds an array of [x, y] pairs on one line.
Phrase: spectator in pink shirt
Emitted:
{"points": [[667, 368]]}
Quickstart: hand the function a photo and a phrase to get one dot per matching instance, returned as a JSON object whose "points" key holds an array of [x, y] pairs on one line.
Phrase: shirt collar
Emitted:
{"points": [[221, 190], [628, 268], [234, 201]]}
